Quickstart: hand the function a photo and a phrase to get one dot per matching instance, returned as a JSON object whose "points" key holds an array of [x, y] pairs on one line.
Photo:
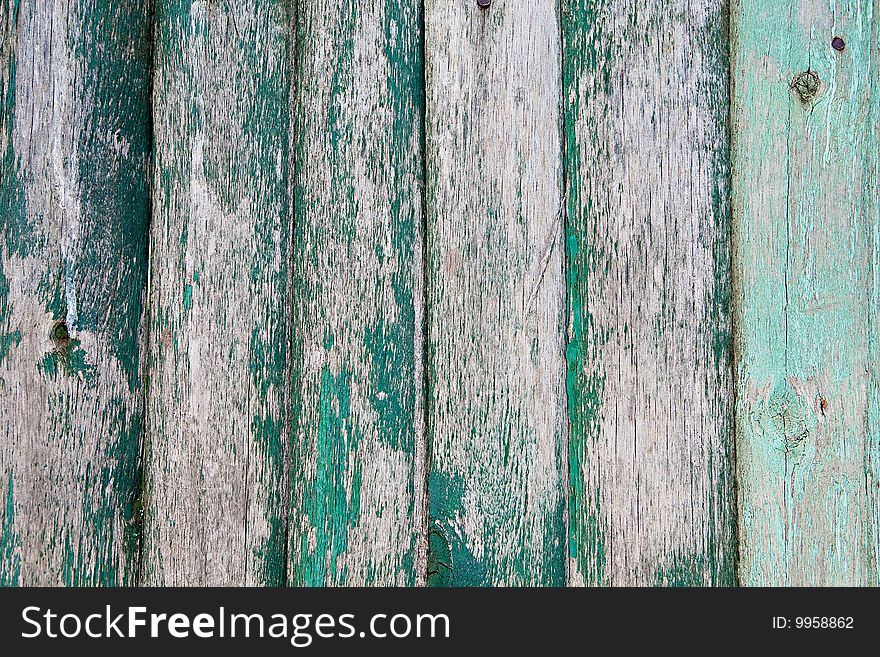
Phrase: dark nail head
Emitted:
{"points": [[838, 43], [484, 4]]}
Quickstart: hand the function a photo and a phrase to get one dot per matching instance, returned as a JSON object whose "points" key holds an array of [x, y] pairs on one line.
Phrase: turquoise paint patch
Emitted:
{"points": [[586, 539], [187, 297], [8, 341], [392, 394], [444, 544], [439, 558], [333, 505], [10, 562], [69, 360], [683, 571]]}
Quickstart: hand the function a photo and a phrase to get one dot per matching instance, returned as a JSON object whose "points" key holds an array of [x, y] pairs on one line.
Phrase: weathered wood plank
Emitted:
{"points": [[649, 353], [74, 210], [357, 478], [496, 290], [805, 122], [215, 496]]}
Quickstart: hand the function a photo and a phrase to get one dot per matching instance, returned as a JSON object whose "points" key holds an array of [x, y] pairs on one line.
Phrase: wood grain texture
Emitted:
{"points": [[805, 234], [215, 496], [357, 478], [74, 210], [496, 290], [649, 352]]}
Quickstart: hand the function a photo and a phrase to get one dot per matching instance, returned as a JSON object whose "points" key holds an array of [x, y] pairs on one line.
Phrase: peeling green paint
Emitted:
{"points": [[334, 505], [219, 321], [495, 292], [70, 360], [440, 565], [682, 571], [445, 544], [357, 184], [82, 258], [804, 199], [187, 297], [393, 395], [10, 561], [629, 231], [8, 341]]}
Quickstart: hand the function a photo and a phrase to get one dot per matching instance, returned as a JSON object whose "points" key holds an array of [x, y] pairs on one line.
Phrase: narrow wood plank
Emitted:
{"points": [[357, 506], [496, 291], [74, 210], [649, 353], [215, 493], [805, 207]]}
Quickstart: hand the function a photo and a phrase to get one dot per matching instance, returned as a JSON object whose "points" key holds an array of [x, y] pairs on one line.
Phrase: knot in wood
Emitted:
{"points": [[60, 335], [806, 85], [439, 557], [790, 416], [60, 332]]}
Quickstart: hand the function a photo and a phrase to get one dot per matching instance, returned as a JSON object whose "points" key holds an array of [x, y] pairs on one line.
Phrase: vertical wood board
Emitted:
{"points": [[216, 496], [496, 291], [805, 222], [357, 469], [649, 335], [74, 210]]}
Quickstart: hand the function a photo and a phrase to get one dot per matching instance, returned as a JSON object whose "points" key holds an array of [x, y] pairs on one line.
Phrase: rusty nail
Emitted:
{"points": [[484, 4], [838, 43]]}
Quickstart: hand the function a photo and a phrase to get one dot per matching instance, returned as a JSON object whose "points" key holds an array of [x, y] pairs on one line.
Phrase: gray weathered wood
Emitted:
{"points": [[74, 208], [496, 290], [357, 472], [646, 103], [215, 497]]}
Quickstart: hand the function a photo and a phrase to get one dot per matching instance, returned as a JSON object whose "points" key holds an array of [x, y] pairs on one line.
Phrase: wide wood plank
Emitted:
{"points": [[805, 119], [216, 498], [496, 290], [649, 352], [74, 210], [357, 471]]}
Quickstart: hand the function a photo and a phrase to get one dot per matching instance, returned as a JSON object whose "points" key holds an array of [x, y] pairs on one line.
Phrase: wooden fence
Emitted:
{"points": [[397, 292]]}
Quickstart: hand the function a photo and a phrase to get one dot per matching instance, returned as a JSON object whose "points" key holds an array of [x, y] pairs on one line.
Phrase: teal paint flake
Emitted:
{"points": [[10, 562], [445, 544]]}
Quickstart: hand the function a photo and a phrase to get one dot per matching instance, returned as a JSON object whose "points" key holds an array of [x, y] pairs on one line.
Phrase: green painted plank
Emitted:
{"points": [[496, 294], [215, 496], [649, 338], [74, 210], [357, 471], [805, 231]]}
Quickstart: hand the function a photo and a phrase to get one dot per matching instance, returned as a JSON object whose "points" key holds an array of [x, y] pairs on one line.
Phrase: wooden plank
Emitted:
{"points": [[357, 507], [219, 310], [496, 290], [650, 398], [805, 122], [74, 209]]}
